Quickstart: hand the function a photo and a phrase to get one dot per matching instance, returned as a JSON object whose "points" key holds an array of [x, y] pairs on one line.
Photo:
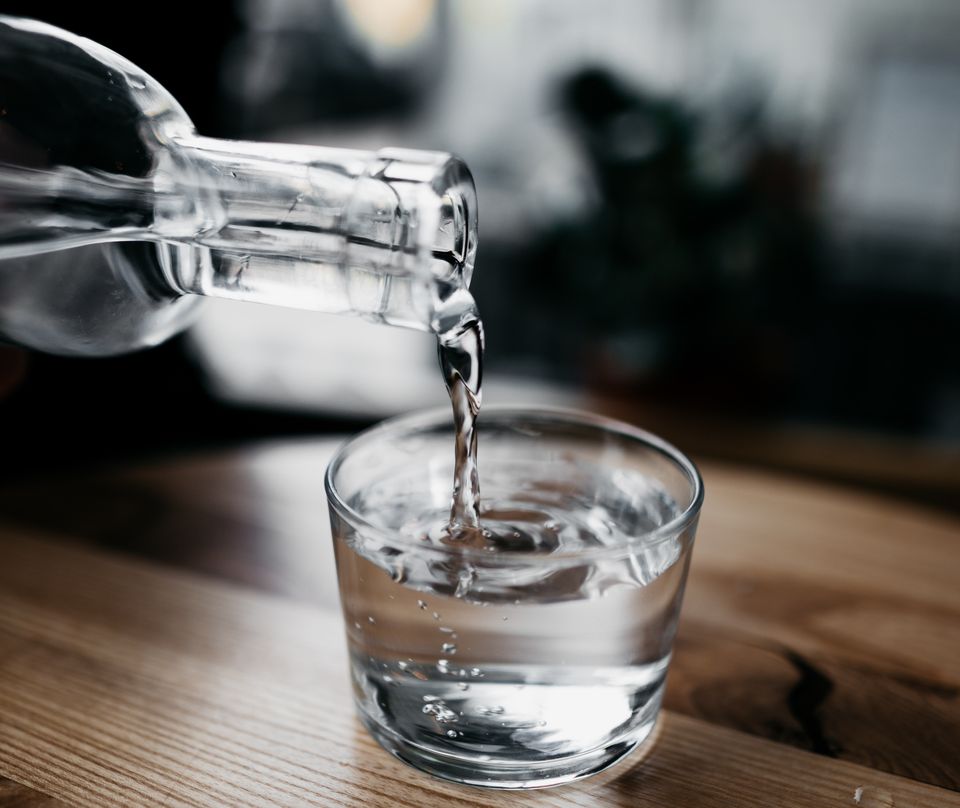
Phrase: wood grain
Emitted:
{"points": [[17, 795], [123, 683]]}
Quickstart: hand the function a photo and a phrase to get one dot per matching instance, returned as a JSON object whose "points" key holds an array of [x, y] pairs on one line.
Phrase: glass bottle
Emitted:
{"points": [[97, 157]]}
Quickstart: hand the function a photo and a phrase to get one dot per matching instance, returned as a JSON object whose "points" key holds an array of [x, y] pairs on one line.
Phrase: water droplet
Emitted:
{"points": [[541, 723], [422, 604], [357, 626], [388, 678], [463, 686], [436, 615], [402, 665], [505, 618], [495, 710], [451, 733], [443, 665], [476, 672], [448, 648], [447, 630], [371, 620], [428, 697]]}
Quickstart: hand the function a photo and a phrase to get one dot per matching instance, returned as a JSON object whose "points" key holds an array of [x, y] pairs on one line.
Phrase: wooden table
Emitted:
{"points": [[169, 636]]}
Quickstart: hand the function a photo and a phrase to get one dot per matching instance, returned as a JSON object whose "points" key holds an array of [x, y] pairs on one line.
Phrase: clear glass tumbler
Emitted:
{"points": [[541, 657]]}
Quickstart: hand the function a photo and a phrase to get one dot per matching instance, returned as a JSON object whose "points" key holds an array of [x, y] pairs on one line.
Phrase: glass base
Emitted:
{"points": [[474, 771]]}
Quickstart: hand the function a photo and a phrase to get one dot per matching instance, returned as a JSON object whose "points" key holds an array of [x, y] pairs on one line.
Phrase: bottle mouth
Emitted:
{"points": [[456, 235], [446, 210]]}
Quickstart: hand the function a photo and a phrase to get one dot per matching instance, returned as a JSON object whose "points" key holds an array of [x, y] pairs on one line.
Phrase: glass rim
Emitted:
{"points": [[425, 418]]}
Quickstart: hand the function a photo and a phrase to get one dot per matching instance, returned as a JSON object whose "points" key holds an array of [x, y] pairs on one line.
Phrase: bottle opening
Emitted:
{"points": [[436, 202]]}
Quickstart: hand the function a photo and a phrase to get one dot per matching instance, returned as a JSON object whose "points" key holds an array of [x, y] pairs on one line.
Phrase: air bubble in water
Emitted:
{"points": [[422, 604], [451, 733], [463, 686], [443, 665], [448, 648], [371, 620], [476, 672], [440, 712]]}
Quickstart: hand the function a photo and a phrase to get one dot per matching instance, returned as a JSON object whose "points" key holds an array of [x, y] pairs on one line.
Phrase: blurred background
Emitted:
{"points": [[733, 222]]}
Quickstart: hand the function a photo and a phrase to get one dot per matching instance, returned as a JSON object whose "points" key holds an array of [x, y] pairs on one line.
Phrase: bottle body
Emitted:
{"points": [[114, 214]]}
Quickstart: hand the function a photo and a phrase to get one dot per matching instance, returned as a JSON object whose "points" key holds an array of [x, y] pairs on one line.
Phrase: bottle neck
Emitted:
{"points": [[385, 235]]}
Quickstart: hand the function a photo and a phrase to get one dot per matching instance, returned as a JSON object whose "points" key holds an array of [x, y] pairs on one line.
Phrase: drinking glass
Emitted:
{"points": [[538, 657]]}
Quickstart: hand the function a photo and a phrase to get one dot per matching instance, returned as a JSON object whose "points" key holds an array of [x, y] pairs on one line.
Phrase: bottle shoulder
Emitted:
{"points": [[69, 102]]}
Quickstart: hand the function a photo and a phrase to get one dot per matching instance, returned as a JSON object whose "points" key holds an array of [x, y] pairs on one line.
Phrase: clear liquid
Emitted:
{"points": [[484, 663], [460, 349]]}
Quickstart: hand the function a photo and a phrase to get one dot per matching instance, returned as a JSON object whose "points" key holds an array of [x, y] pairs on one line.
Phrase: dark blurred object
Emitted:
{"points": [[299, 61], [65, 413], [713, 291], [13, 365], [180, 47], [892, 207], [682, 284]]}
